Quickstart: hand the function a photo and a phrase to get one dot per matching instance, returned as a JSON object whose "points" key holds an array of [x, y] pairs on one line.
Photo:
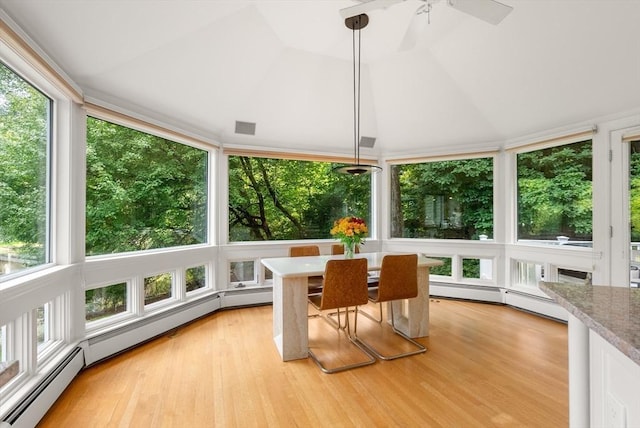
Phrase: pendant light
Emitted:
{"points": [[356, 23]]}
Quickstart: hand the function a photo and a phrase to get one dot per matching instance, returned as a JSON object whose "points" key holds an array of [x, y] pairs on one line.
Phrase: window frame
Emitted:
{"points": [[149, 126], [57, 317], [207, 280], [558, 140], [51, 113], [98, 324], [159, 304], [223, 189], [489, 153], [254, 282]]}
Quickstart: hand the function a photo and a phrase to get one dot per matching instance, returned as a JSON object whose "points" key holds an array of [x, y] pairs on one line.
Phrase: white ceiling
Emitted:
{"points": [[286, 65]]}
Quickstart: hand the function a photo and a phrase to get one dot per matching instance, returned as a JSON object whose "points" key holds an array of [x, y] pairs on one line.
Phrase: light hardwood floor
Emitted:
{"points": [[486, 365]]}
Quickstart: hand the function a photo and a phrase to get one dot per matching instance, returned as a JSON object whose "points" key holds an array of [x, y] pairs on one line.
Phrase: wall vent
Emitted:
{"points": [[367, 142], [246, 128]]}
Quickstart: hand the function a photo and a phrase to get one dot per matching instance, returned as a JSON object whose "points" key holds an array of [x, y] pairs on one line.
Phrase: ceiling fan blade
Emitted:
{"points": [[415, 28], [490, 11], [367, 6]]}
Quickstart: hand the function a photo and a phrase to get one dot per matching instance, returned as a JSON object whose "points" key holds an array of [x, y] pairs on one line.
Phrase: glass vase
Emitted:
{"points": [[349, 249]]}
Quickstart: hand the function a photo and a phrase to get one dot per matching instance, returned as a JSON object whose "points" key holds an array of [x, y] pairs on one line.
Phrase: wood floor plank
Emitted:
{"points": [[486, 365]]}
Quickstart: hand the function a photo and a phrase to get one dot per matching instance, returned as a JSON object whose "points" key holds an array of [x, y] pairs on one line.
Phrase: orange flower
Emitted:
{"points": [[350, 230]]}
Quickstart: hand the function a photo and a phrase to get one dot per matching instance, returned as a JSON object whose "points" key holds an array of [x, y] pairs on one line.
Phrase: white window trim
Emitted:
{"points": [[512, 178], [489, 154], [172, 299]]}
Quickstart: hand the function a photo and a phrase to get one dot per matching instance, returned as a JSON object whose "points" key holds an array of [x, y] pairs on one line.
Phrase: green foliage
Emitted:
{"points": [[634, 190], [143, 191], [471, 268], [157, 288], [445, 199], [634, 207], [105, 301], [195, 278], [444, 270], [24, 138], [275, 199], [555, 192]]}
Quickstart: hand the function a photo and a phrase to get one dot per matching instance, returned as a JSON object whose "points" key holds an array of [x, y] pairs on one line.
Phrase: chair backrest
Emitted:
{"points": [[398, 277], [339, 249], [345, 284], [304, 250]]}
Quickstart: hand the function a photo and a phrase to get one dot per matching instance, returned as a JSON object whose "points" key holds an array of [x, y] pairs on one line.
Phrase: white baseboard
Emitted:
{"points": [[247, 297], [466, 292], [535, 304], [36, 404], [528, 302], [115, 341]]}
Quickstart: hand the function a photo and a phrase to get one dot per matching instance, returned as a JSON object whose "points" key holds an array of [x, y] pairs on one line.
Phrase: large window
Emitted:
{"points": [[443, 199], [275, 199], [24, 158], [143, 191], [555, 195]]}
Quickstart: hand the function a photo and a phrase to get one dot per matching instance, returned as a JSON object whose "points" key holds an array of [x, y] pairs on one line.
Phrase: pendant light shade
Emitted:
{"points": [[356, 23]]}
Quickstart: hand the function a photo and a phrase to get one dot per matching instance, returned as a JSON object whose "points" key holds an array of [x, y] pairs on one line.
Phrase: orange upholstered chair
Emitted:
{"points": [[315, 282], [398, 280], [345, 284], [304, 250]]}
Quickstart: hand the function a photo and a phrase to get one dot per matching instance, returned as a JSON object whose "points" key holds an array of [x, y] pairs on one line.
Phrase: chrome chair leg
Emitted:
{"points": [[420, 348], [371, 317], [352, 338]]}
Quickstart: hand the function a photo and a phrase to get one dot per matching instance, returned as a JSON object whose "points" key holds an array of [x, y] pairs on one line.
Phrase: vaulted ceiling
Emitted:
{"points": [[286, 65]]}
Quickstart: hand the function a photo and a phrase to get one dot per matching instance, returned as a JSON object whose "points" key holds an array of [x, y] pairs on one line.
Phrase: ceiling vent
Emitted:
{"points": [[246, 128], [367, 142]]}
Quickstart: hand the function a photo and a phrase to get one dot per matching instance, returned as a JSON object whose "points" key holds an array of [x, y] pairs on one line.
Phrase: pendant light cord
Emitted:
{"points": [[356, 95], [359, 80], [354, 23]]}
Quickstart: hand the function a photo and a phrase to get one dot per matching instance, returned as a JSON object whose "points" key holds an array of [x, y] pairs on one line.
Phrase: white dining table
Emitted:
{"points": [[290, 289]]}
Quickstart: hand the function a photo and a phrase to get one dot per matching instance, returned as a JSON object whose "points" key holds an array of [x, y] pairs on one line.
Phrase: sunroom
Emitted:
{"points": [[154, 153]]}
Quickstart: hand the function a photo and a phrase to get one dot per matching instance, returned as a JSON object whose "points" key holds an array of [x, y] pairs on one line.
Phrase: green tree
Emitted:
{"points": [[634, 189], [24, 137], [443, 199], [143, 191], [555, 192], [276, 199], [106, 301]]}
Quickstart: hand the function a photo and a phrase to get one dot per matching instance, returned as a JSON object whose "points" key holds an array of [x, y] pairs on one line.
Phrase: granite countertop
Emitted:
{"points": [[612, 312]]}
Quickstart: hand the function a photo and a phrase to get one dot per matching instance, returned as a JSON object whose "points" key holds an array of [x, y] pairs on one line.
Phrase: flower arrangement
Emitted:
{"points": [[351, 231]]}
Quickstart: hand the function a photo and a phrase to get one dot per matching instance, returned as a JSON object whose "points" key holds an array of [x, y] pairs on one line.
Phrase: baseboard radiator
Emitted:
{"points": [[536, 304], [520, 300], [116, 341], [28, 412], [246, 297], [33, 407], [466, 292]]}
